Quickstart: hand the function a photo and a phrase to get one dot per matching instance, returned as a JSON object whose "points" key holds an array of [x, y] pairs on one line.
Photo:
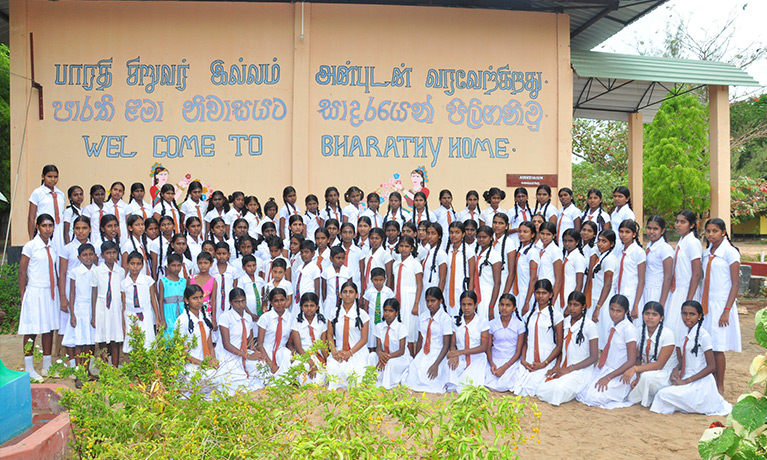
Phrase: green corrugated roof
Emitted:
{"points": [[589, 64]]}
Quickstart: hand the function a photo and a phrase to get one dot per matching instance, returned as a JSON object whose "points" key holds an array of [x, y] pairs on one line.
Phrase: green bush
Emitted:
{"points": [[10, 299]]}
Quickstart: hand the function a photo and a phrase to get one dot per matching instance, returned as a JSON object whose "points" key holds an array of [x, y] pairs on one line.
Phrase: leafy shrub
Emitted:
{"points": [[10, 299], [749, 199]]}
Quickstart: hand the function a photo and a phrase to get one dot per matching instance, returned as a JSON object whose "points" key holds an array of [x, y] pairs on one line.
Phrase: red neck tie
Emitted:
{"points": [[117, 215], [427, 343], [367, 273], [515, 284], [647, 351], [56, 207], [562, 291], [277, 339], [536, 352], [204, 337], [684, 357], [319, 262], [52, 272], [186, 273], [101, 213], [452, 279], [603, 356], [620, 272], [471, 213], [199, 214], [313, 339], [559, 224], [707, 284], [346, 257], [399, 282], [476, 275], [175, 220], [673, 269], [244, 345], [386, 340], [346, 346], [143, 211], [467, 344], [375, 218], [524, 215], [449, 217]]}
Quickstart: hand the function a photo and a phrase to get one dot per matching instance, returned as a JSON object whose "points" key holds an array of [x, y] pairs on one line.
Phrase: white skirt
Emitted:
{"points": [[63, 322], [698, 397], [417, 377], [395, 371], [463, 375], [649, 384], [39, 313], [604, 325], [672, 311], [339, 373], [652, 293], [565, 388], [723, 338], [410, 321], [611, 398], [83, 333], [506, 381], [109, 322], [147, 326], [528, 382]]}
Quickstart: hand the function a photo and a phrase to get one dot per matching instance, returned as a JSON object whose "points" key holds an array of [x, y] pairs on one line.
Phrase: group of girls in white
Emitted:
{"points": [[560, 303]]}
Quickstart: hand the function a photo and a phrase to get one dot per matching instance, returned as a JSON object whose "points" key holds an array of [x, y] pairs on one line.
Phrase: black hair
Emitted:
{"points": [[723, 227], [394, 304], [436, 293], [222, 245], [447, 192], [132, 219], [235, 293], [234, 196], [523, 191], [135, 187], [623, 190], [72, 206], [661, 223], [545, 284], [308, 244], [699, 308], [186, 254], [225, 202], [409, 240], [105, 246], [250, 199], [96, 188], [279, 262], [335, 250], [309, 297], [237, 240], [47, 169], [174, 258], [206, 256], [357, 322], [362, 219], [492, 192], [575, 235], [545, 206], [425, 206], [84, 247], [388, 210], [551, 227], [350, 190], [106, 219], [166, 188], [378, 271], [464, 295], [505, 218], [215, 221], [437, 228], [510, 297], [634, 227], [469, 194], [656, 307], [270, 203], [623, 302], [84, 219], [192, 289], [577, 296], [692, 218], [194, 185]]}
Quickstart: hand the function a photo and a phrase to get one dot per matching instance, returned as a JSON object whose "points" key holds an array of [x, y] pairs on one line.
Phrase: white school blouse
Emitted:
{"points": [[566, 220], [547, 210], [468, 214], [441, 326], [313, 223], [119, 210], [625, 333], [417, 217], [376, 219], [355, 333], [38, 274], [189, 208], [487, 215], [504, 249], [574, 352], [431, 266], [371, 295], [213, 213], [524, 256], [328, 213], [285, 212], [143, 284], [599, 216], [352, 261], [573, 263], [546, 329], [476, 327], [233, 215], [397, 332], [42, 197], [400, 216], [410, 268], [374, 259], [182, 327], [269, 322], [333, 282], [618, 216], [232, 320], [721, 281], [95, 214], [607, 263], [461, 271], [251, 287], [445, 217], [628, 263], [647, 349], [303, 280], [484, 282], [352, 214], [318, 328], [254, 225], [656, 254], [518, 214], [163, 208], [139, 208], [687, 249], [548, 256]]}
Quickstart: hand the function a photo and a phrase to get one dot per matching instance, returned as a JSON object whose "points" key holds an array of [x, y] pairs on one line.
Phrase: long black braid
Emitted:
{"points": [[438, 228], [697, 334]]}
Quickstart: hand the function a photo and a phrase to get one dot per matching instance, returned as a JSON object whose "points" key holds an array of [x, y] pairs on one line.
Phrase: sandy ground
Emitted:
{"points": [[589, 433]]}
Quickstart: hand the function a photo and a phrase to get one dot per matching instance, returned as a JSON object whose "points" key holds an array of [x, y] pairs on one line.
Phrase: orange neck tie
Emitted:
{"points": [[56, 207], [346, 257], [707, 284], [564, 351], [143, 211], [186, 273], [346, 346], [367, 274], [175, 220], [684, 357], [427, 343], [603, 356], [204, 337], [386, 340], [451, 287], [673, 268], [476, 276], [449, 217], [311, 336], [524, 215], [319, 262], [536, 352], [562, 291], [244, 346], [51, 272], [620, 272], [199, 214], [515, 284], [399, 282], [590, 283], [467, 344], [277, 339], [375, 218], [146, 259], [647, 351], [117, 215]]}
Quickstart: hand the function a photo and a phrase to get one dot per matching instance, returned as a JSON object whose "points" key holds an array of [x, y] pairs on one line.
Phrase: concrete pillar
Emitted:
{"points": [[301, 72], [564, 109], [719, 139], [635, 154]]}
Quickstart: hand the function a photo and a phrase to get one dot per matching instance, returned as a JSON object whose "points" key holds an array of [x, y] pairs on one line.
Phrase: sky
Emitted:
{"points": [[705, 17]]}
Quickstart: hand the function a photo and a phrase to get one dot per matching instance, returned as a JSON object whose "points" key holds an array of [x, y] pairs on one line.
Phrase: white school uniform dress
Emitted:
{"points": [[547, 210], [573, 263], [488, 213], [233, 373], [528, 382], [363, 244], [423, 250], [307, 341], [566, 220], [119, 210], [313, 223], [254, 295], [83, 333], [266, 219], [143, 312], [195, 248], [339, 373], [518, 214], [548, 255], [444, 217], [212, 214], [615, 395], [722, 338], [154, 248], [565, 388], [376, 300], [163, 208], [39, 310], [484, 280], [131, 243], [70, 253], [400, 216], [433, 329], [373, 259], [352, 214], [405, 272], [607, 263], [471, 368], [195, 347], [254, 225], [656, 254], [394, 373], [504, 246], [430, 266], [284, 213], [189, 208], [504, 347], [589, 251], [521, 284], [280, 354], [43, 198], [376, 219], [333, 282], [284, 285], [352, 262], [687, 250], [626, 277], [652, 381], [95, 214], [232, 216], [328, 213], [700, 396], [303, 282], [71, 213], [109, 315], [599, 216], [457, 271], [267, 266], [142, 209], [468, 214], [224, 285], [418, 217], [616, 217]]}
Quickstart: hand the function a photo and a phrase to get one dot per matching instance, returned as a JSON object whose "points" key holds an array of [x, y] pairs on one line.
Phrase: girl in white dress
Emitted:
{"points": [[395, 212], [434, 263], [69, 261], [136, 204], [117, 207], [687, 271], [467, 359], [505, 345], [80, 333], [521, 212], [106, 307], [590, 254], [196, 329], [580, 352], [487, 274], [550, 265], [472, 211], [407, 284], [136, 241], [39, 295], [460, 268], [348, 337], [602, 283], [569, 216], [421, 210], [253, 216], [352, 211], [168, 207], [95, 211], [239, 366], [659, 267], [622, 211], [573, 265], [290, 208], [544, 207], [523, 265], [493, 197], [194, 205], [606, 388], [274, 329], [445, 214], [594, 212], [218, 208], [543, 341], [236, 211], [332, 209], [429, 372], [376, 257], [310, 325], [656, 357], [373, 201], [352, 253], [333, 277], [312, 216], [504, 245], [48, 199], [693, 386], [73, 211], [391, 357], [139, 300], [629, 278], [721, 278]]}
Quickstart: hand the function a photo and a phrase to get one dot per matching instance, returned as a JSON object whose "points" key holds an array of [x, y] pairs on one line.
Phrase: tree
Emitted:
{"points": [[676, 158], [748, 133], [602, 148]]}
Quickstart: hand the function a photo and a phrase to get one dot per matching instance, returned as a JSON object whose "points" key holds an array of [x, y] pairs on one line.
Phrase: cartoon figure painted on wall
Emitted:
{"points": [[418, 177], [160, 176]]}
